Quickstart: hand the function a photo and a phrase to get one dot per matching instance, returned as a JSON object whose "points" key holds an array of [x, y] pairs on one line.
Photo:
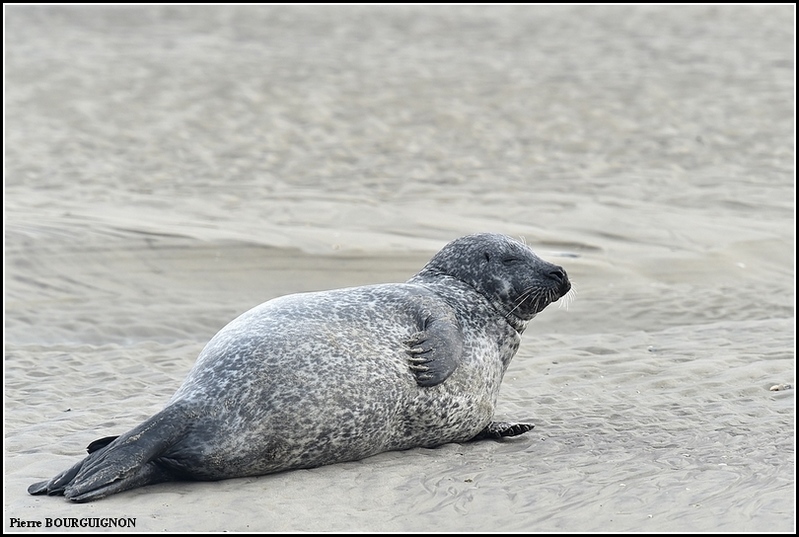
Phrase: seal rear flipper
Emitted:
{"points": [[100, 443], [125, 462], [56, 486], [149, 474]]}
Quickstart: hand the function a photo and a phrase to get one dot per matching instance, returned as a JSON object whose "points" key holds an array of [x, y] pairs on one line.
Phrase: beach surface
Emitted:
{"points": [[168, 168]]}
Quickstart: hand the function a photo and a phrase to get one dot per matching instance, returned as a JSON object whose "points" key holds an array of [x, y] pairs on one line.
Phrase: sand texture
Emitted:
{"points": [[167, 168]]}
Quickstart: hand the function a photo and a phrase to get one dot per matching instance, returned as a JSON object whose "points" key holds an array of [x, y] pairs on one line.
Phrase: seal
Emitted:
{"points": [[311, 379]]}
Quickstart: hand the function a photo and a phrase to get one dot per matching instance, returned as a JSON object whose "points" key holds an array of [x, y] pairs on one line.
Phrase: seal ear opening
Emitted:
{"points": [[488, 257]]}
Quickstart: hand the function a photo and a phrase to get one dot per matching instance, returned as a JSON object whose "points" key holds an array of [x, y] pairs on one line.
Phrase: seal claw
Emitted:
{"points": [[431, 357], [499, 429]]}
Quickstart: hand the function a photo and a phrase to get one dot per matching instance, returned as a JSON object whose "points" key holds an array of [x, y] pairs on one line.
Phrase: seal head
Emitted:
{"points": [[516, 282]]}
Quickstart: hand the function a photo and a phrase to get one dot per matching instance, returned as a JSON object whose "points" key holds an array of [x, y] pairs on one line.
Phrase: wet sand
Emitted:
{"points": [[169, 168]]}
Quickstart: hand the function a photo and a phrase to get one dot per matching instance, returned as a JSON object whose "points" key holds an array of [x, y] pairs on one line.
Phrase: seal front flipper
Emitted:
{"points": [[435, 351], [498, 429]]}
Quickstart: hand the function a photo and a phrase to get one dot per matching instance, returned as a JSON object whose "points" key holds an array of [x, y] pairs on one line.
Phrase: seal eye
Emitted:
{"points": [[510, 260]]}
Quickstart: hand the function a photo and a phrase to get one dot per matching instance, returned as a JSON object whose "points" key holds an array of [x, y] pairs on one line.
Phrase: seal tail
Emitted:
{"points": [[119, 463]]}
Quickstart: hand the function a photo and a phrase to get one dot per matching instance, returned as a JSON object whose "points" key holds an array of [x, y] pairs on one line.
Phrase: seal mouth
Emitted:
{"points": [[532, 301]]}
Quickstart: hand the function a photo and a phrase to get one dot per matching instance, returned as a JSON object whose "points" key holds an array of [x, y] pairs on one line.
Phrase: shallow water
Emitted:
{"points": [[169, 168]]}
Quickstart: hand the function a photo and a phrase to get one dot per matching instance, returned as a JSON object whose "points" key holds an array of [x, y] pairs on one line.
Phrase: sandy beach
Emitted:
{"points": [[168, 168]]}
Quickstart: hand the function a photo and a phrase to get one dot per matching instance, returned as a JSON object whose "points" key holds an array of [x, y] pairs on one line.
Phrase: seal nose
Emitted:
{"points": [[559, 275]]}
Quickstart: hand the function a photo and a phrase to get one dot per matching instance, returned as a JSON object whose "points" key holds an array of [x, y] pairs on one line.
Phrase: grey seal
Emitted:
{"points": [[311, 379]]}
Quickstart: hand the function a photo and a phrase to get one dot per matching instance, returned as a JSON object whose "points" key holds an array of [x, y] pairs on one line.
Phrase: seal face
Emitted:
{"points": [[311, 379]]}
